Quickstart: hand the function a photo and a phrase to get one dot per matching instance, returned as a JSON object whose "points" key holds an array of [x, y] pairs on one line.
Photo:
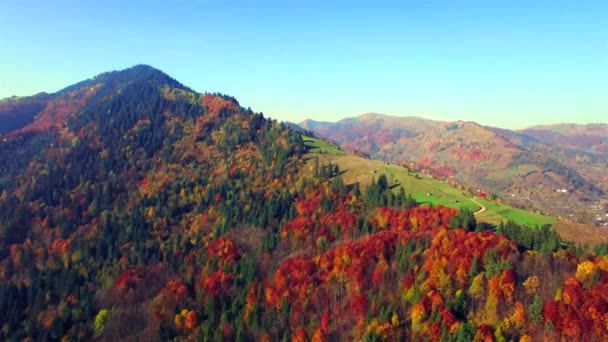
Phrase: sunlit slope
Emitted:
{"points": [[322, 147], [423, 188]]}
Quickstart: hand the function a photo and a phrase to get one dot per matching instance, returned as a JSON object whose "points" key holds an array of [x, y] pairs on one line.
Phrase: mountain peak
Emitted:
{"points": [[140, 73], [372, 116], [42, 111]]}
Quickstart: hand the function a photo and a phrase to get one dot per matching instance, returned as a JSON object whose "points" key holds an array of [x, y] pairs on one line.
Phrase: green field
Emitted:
{"points": [[428, 190], [495, 212], [321, 147], [423, 188]]}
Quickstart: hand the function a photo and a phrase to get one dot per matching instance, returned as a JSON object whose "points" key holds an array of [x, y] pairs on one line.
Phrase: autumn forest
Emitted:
{"points": [[134, 208]]}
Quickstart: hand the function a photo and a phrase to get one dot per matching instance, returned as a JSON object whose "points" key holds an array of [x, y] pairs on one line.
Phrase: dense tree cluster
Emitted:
{"points": [[541, 239], [380, 194]]}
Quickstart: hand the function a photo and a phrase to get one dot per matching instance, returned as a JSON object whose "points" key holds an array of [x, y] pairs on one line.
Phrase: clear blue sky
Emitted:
{"points": [[503, 63]]}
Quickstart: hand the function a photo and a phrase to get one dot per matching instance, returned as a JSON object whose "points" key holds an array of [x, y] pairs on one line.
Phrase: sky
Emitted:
{"points": [[508, 64]]}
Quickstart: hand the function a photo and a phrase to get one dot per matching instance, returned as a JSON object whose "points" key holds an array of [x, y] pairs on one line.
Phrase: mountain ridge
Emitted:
{"points": [[375, 115]]}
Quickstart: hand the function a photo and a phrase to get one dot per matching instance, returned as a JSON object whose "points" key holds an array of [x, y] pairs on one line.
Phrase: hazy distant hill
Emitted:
{"points": [[591, 137], [355, 132], [522, 168]]}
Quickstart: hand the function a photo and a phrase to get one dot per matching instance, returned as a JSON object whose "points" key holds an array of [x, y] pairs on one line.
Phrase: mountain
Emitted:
{"points": [[521, 168], [134, 208], [114, 180], [354, 132], [589, 138]]}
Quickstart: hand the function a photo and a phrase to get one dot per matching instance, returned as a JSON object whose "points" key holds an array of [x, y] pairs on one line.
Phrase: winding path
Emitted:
{"points": [[483, 208]]}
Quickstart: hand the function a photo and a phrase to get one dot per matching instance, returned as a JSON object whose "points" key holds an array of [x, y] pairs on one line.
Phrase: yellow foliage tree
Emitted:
{"points": [[585, 270], [151, 212], [395, 320], [477, 288], [531, 285]]}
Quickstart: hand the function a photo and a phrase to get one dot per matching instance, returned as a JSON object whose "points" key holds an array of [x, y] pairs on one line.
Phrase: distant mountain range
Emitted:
{"points": [[560, 169]]}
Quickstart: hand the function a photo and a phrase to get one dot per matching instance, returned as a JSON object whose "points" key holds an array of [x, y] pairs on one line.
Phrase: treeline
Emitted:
{"points": [[542, 239], [380, 194]]}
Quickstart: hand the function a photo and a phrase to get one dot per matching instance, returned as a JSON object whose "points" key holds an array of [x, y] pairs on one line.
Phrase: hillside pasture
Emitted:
{"points": [[425, 189]]}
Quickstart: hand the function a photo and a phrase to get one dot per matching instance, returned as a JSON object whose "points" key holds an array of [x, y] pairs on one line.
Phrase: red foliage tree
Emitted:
{"points": [[225, 250]]}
